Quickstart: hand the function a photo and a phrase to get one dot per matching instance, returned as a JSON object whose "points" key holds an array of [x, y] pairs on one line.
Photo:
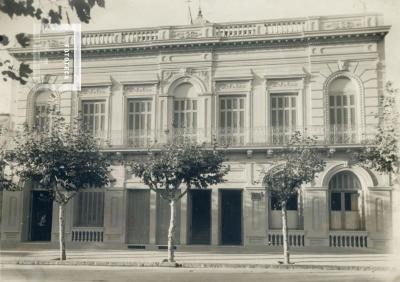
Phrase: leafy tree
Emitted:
{"points": [[179, 165], [54, 13], [5, 182], [383, 151], [299, 163], [63, 160]]}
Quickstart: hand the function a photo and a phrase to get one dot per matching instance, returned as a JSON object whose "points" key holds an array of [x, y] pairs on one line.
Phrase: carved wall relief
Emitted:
{"points": [[95, 91], [284, 84], [139, 89]]}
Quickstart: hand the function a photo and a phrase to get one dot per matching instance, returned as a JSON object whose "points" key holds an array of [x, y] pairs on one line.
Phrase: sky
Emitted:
{"points": [[148, 13]]}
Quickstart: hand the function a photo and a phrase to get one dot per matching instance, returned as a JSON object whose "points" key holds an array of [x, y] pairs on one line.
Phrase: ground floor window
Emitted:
{"points": [[293, 212], [345, 202], [89, 209]]}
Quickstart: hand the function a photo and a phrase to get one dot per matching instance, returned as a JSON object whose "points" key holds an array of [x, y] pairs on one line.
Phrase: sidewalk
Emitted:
{"points": [[333, 260]]}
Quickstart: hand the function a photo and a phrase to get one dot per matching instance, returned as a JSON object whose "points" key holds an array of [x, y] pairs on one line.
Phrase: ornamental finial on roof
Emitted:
{"points": [[200, 19]]}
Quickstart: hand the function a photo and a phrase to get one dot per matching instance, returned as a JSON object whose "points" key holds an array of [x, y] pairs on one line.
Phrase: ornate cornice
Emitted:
{"points": [[211, 43]]}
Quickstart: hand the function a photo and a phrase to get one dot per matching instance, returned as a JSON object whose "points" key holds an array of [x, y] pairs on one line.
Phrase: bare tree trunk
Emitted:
{"points": [[61, 223], [286, 254], [171, 232]]}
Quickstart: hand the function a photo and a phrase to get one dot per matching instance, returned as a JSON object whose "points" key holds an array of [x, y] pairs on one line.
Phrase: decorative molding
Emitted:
{"points": [[343, 65], [95, 91], [285, 84], [234, 85], [231, 86], [139, 89], [342, 24], [186, 34], [200, 78], [361, 173]]}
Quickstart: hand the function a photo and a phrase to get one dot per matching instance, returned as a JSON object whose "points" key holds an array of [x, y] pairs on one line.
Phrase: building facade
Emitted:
{"points": [[246, 85]]}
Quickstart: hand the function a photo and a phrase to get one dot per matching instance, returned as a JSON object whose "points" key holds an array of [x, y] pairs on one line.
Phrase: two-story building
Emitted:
{"points": [[247, 85]]}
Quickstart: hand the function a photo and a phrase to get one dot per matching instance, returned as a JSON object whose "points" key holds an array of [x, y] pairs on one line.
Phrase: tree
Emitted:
{"points": [[382, 152], [53, 13], [63, 160], [5, 182], [299, 163], [179, 164]]}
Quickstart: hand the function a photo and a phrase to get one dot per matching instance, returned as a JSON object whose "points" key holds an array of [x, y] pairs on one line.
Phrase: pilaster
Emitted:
{"points": [[215, 240]]}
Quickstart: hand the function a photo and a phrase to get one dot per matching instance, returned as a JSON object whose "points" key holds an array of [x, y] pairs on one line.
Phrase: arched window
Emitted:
{"points": [[41, 110], [342, 111], [345, 201], [185, 121]]}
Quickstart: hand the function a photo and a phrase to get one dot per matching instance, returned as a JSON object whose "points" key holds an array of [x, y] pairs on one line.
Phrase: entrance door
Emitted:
{"points": [[231, 217], [163, 216], [138, 217], [200, 217], [42, 210]]}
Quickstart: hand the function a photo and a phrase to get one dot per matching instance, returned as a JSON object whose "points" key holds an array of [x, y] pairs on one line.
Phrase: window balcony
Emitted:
{"points": [[258, 137]]}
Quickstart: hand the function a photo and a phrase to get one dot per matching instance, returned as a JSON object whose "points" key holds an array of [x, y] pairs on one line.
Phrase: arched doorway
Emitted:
{"points": [[346, 202]]}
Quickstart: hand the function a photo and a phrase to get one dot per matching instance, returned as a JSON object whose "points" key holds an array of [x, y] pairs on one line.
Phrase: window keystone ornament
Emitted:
{"points": [[343, 65]]}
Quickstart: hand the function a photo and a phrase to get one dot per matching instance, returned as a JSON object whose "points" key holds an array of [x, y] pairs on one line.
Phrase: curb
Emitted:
{"points": [[203, 265]]}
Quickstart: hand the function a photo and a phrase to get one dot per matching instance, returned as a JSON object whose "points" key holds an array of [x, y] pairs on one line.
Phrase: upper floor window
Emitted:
{"points": [[41, 111], [139, 122], [94, 117], [342, 111], [185, 120], [283, 117], [231, 120]]}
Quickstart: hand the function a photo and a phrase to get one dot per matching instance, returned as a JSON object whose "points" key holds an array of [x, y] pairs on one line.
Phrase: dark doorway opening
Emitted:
{"points": [[231, 217], [41, 220], [200, 217], [138, 217]]}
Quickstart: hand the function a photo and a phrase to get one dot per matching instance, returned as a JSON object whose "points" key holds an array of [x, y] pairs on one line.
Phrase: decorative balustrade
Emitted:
{"points": [[285, 27], [87, 234], [235, 30], [295, 238], [115, 37], [227, 30], [348, 239]]}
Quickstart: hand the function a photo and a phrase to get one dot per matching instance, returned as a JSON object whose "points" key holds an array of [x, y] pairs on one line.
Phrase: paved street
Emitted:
{"points": [[11, 273], [336, 257]]}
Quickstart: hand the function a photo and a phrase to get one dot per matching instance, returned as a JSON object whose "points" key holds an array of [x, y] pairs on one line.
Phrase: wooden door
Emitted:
{"points": [[138, 217]]}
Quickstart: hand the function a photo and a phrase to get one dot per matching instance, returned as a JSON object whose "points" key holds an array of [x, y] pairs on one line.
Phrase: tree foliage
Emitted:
{"points": [[176, 169], [52, 12], [382, 153], [62, 159], [179, 164], [299, 163], [5, 181]]}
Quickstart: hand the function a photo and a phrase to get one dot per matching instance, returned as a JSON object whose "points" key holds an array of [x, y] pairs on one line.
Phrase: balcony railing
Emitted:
{"points": [[295, 238], [231, 30], [229, 137], [264, 28], [348, 239], [87, 234]]}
